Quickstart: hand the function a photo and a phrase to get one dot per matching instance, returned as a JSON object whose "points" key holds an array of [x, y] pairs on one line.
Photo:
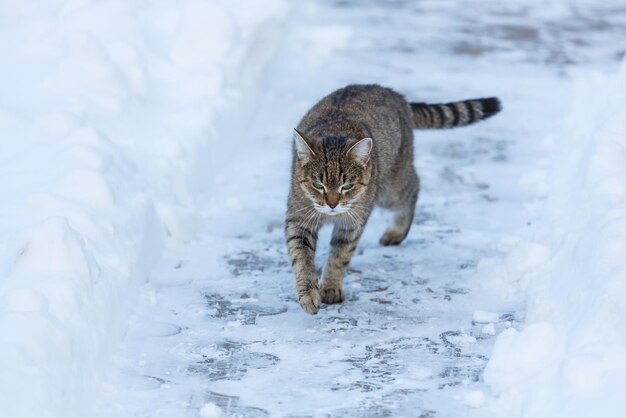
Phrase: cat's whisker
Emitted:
{"points": [[349, 221], [309, 218], [352, 222], [344, 220], [315, 219], [318, 218], [301, 209], [305, 223], [357, 218], [357, 211]]}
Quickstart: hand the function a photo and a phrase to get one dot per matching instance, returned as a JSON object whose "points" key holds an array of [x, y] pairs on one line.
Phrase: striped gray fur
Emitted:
{"points": [[450, 115], [351, 151]]}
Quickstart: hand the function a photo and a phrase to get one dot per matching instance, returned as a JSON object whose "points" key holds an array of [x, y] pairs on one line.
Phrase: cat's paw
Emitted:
{"points": [[332, 294], [392, 237], [311, 301]]}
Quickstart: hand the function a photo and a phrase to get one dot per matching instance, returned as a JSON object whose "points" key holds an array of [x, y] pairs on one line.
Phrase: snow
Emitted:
{"points": [[210, 410], [474, 399], [509, 277], [107, 110], [489, 329], [483, 317], [26, 300], [568, 360], [144, 164]]}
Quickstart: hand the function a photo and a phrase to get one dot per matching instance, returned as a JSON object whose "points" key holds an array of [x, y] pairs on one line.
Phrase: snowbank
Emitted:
{"points": [[569, 360], [109, 113]]}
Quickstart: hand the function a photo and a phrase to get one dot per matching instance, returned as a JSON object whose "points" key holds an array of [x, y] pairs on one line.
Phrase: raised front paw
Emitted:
{"points": [[332, 294], [310, 301]]}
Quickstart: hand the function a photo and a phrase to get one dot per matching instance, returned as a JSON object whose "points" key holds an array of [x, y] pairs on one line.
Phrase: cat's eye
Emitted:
{"points": [[318, 185], [347, 187]]}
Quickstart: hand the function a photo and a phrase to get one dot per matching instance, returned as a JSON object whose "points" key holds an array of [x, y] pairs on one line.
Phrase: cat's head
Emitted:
{"points": [[332, 171]]}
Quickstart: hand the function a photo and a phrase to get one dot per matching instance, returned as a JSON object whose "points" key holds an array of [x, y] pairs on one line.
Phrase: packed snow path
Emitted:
{"points": [[218, 321]]}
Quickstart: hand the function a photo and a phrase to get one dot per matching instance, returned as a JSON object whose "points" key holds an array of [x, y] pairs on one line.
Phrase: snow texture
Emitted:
{"points": [[106, 110], [475, 399], [484, 317], [569, 359], [144, 165], [210, 410]]}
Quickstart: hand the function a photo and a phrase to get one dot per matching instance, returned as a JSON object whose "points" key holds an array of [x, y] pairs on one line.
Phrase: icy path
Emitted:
{"points": [[218, 322]]}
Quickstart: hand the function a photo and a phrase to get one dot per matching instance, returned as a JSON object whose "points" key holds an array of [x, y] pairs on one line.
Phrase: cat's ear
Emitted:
{"points": [[361, 150], [304, 146]]}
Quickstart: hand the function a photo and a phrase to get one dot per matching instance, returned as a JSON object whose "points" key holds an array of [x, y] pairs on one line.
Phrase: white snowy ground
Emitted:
{"points": [[106, 110], [124, 133]]}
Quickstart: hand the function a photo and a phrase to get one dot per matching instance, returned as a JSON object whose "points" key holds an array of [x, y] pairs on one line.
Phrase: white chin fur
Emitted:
{"points": [[326, 210]]}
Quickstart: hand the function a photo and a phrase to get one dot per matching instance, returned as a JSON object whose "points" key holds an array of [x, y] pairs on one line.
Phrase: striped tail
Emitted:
{"points": [[449, 115]]}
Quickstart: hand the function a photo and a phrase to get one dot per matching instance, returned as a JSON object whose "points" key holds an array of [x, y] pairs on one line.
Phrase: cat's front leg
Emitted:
{"points": [[301, 243], [342, 246]]}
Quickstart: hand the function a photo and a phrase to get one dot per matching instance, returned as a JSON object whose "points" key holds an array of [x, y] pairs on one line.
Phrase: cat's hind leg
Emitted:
{"points": [[401, 199]]}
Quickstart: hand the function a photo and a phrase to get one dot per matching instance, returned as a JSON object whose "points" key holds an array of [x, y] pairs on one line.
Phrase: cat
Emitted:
{"points": [[351, 151]]}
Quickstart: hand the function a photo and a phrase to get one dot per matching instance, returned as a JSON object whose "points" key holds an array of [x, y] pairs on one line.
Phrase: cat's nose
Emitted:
{"points": [[332, 200]]}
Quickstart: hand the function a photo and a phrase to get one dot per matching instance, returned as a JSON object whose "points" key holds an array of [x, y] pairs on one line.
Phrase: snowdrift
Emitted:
{"points": [[569, 360], [109, 113]]}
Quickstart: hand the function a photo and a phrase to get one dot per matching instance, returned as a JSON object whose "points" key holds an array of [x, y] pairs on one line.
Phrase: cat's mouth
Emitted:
{"points": [[337, 210]]}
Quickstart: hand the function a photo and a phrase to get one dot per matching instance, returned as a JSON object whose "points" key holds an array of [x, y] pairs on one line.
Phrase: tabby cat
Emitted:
{"points": [[351, 151]]}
